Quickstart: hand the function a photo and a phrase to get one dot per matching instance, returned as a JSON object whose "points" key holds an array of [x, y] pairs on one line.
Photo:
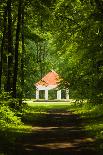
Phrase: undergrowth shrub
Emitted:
{"points": [[6, 99], [7, 116], [10, 125]]}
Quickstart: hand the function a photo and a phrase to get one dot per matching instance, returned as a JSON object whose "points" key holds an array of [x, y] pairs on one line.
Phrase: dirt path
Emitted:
{"points": [[60, 133]]}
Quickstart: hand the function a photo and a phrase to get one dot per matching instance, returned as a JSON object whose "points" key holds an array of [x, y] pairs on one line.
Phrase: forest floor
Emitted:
{"points": [[58, 131]]}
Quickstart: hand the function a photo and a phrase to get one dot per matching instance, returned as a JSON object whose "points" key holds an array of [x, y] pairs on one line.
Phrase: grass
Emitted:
{"points": [[36, 111], [92, 116]]}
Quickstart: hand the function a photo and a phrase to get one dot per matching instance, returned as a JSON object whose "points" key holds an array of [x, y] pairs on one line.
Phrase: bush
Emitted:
{"points": [[7, 117], [6, 99]]}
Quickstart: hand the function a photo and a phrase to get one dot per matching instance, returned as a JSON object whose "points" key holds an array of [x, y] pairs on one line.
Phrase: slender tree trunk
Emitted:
{"points": [[16, 48], [22, 56], [3, 43], [37, 52], [40, 57], [10, 48]]}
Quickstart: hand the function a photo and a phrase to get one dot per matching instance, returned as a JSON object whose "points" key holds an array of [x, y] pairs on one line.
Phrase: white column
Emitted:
{"points": [[59, 95], [46, 94], [37, 94], [67, 94]]}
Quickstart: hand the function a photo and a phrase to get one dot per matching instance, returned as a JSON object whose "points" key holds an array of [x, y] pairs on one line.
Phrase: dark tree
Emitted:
{"points": [[10, 48], [16, 48], [3, 42]]}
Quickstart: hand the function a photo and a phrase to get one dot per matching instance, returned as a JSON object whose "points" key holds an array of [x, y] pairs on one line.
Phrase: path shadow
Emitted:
{"points": [[59, 132]]}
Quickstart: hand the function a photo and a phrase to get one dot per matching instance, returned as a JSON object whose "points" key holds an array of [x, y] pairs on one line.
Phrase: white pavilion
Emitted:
{"points": [[49, 82]]}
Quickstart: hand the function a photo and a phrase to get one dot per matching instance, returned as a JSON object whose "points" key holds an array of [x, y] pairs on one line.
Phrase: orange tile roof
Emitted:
{"points": [[52, 78]]}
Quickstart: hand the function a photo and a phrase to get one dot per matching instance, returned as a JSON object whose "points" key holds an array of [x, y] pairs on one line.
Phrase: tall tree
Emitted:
{"points": [[10, 47], [3, 42], [16, 48], [23, 53]]}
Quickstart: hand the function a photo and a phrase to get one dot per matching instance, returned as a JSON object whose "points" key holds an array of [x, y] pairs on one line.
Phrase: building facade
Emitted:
{"points": [[51, 81]]}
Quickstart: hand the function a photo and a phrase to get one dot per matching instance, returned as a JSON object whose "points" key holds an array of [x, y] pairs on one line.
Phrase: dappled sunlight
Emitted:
{"points": [[38, 128], [67, 145], [56, 130], [85, 139], [50, 128], [53, 130], [62, 130], [57, 145]]}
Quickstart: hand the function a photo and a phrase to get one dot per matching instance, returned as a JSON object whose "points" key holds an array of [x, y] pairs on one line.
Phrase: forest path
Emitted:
{"points": [[59, 133]]}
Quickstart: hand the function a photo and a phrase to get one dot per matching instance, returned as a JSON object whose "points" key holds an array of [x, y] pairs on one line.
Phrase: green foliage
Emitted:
{"points": [[11, 125], [7, 114], [8, 117], [77, 35], [7, 100]]}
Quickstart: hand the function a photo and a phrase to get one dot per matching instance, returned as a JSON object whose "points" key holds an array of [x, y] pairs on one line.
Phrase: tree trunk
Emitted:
{"points": [[16, 49], [10, 47], [2, 44], [22, 56]]}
